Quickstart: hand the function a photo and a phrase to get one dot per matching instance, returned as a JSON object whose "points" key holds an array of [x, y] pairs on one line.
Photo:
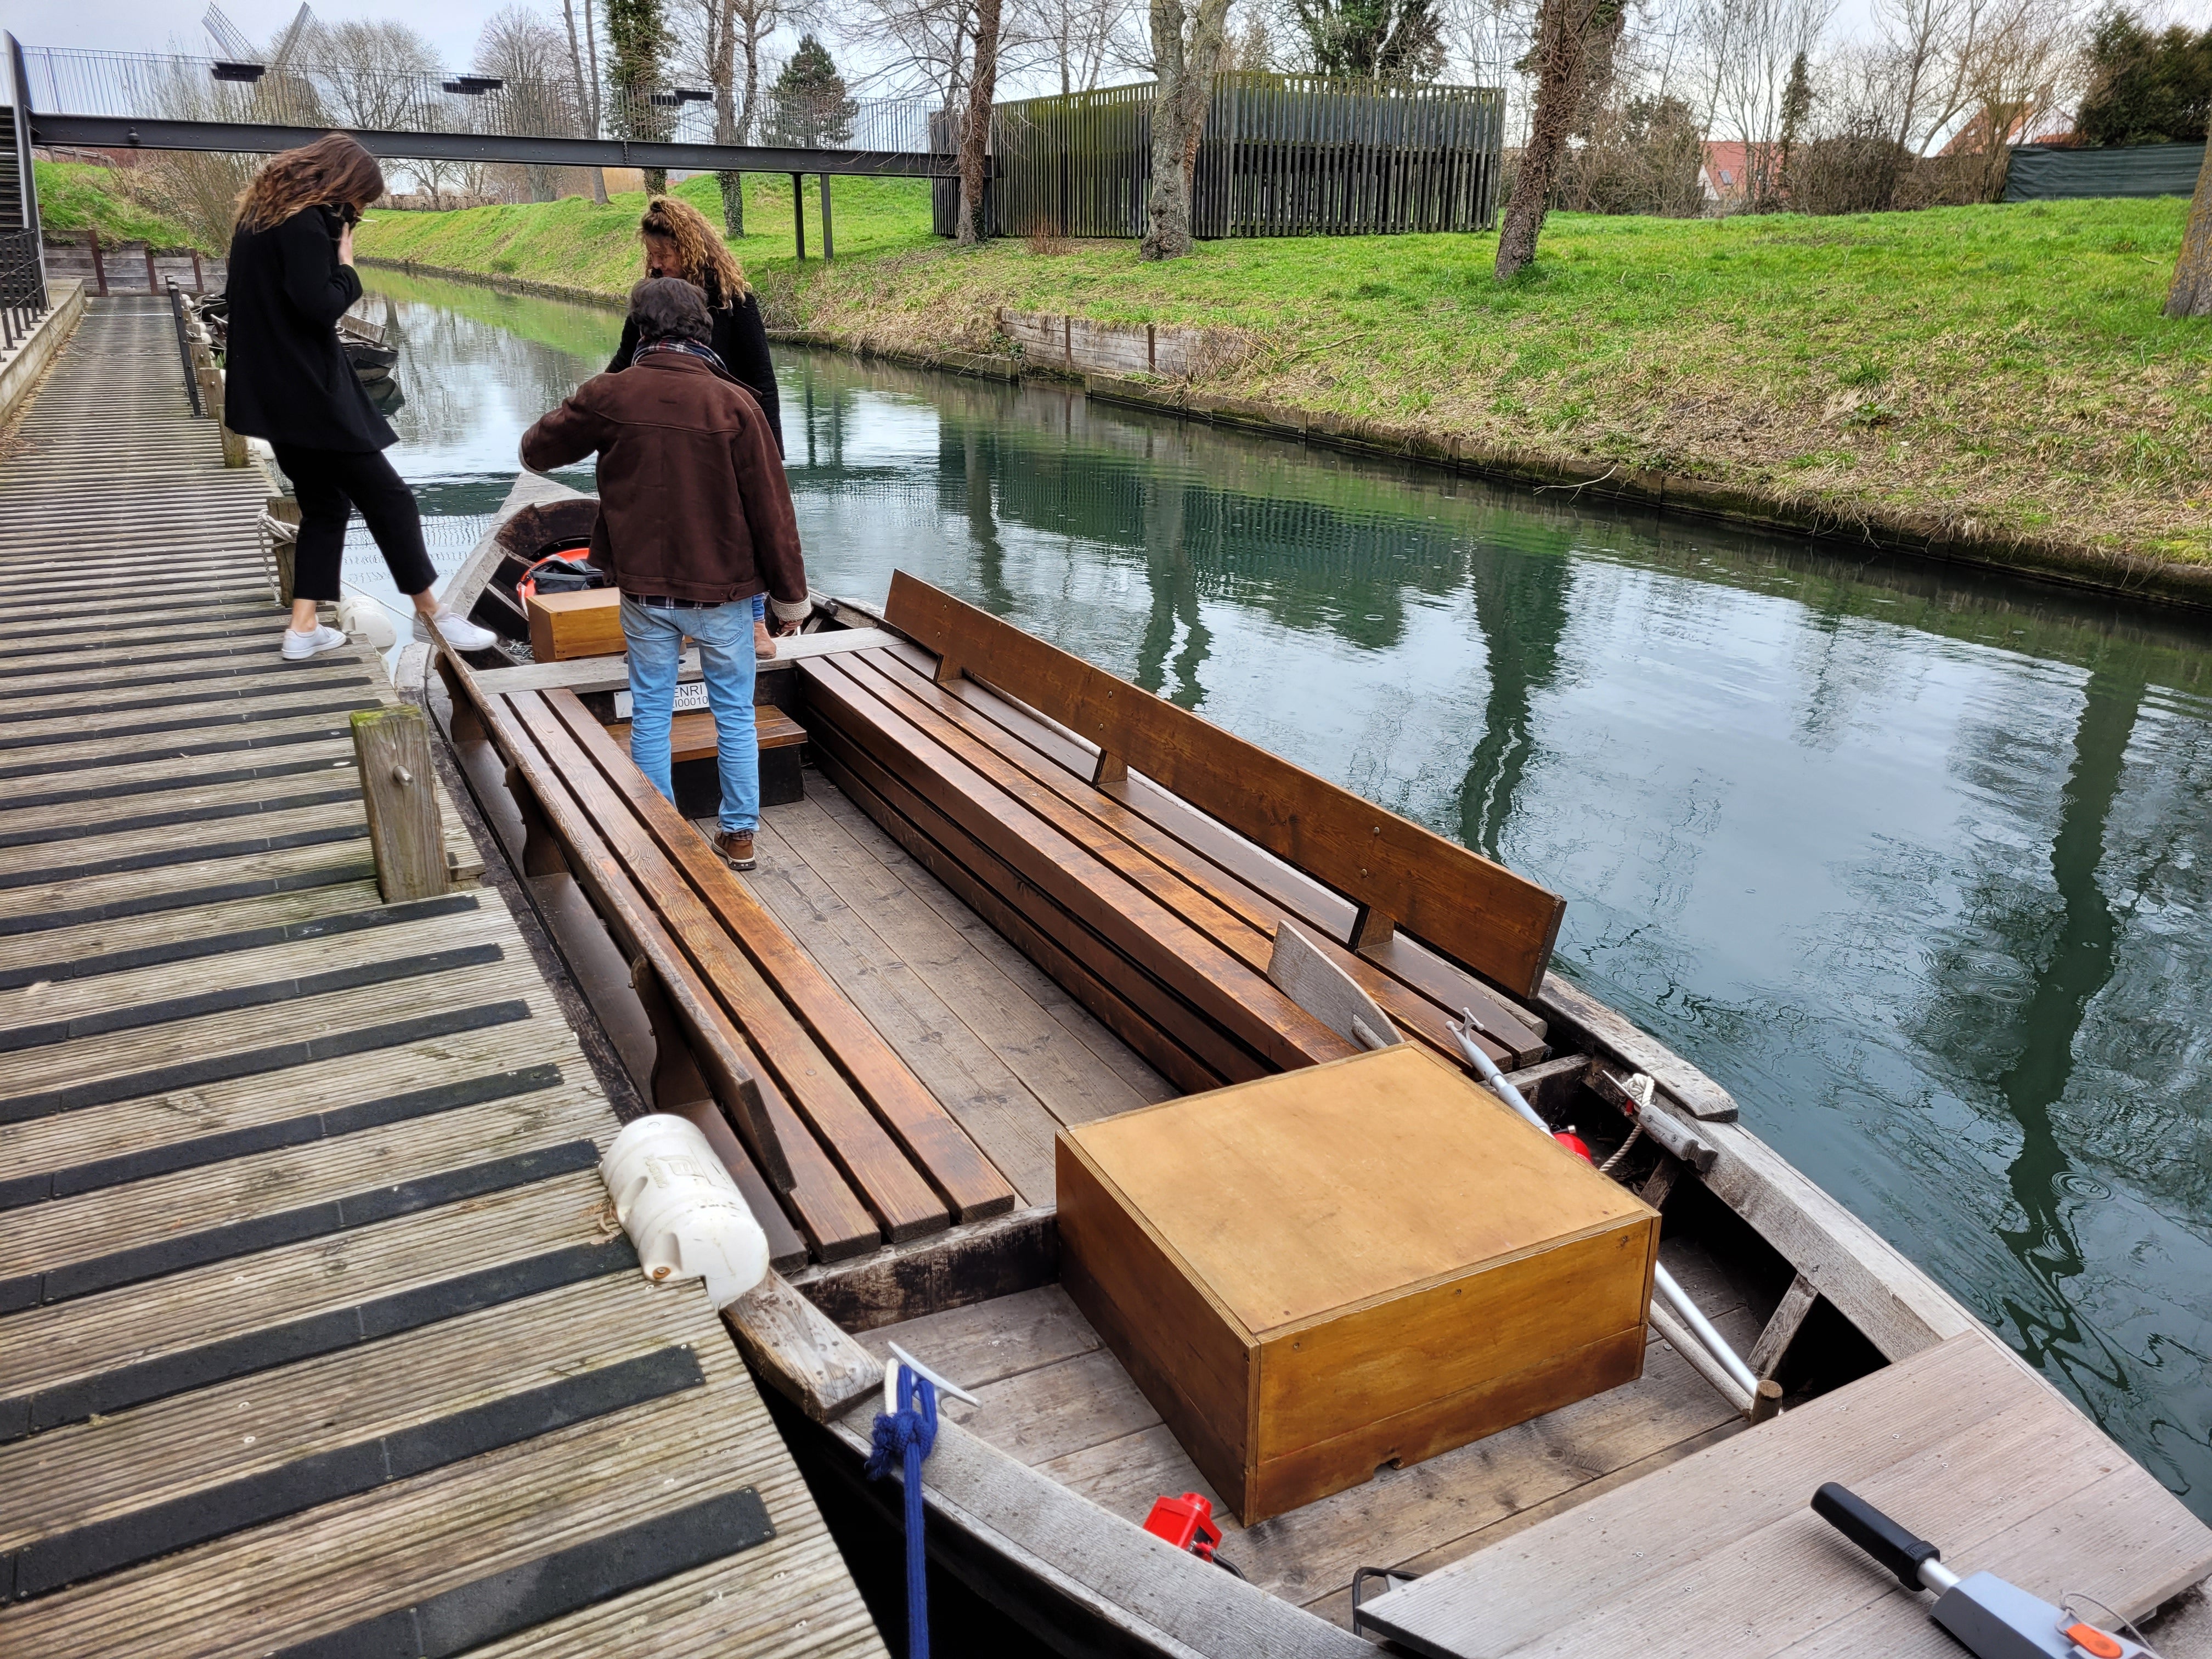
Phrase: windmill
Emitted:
{"points": [[232, 44]]}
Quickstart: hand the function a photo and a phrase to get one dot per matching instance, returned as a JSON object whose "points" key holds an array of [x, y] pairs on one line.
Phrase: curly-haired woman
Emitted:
{"points": [[289, 381], [679, 240]]}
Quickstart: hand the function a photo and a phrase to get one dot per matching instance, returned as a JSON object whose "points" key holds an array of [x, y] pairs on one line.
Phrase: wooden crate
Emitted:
{"points": [[565, 625], [1366, 1262]]}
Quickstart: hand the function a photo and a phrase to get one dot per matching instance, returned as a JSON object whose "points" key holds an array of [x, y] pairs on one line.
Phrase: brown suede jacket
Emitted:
{"points": [[693, 502]]}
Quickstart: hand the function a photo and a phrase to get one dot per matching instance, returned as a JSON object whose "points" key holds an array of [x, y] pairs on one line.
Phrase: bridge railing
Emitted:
{"points": [[22, 286], [148, 87]]}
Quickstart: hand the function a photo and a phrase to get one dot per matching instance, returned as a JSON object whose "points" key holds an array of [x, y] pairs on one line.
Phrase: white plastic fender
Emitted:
{"points": [[681, 1209], [359, 614]]}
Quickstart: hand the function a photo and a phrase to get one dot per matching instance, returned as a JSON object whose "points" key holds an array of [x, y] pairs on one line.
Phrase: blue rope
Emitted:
{"points": [[908, 1437]]}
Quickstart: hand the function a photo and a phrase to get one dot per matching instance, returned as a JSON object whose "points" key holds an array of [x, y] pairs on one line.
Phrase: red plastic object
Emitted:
{"points": [[1574, 1143], [526, 589], [1187, 1523]]}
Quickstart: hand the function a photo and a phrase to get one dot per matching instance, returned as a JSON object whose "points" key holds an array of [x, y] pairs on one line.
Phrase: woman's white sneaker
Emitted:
{"points": [[298, 647], [458, 632]]}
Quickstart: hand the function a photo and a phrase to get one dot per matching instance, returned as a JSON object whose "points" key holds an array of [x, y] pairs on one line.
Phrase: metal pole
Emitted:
{"points": [[1661, 1280], [828, 242], [799, 213]]}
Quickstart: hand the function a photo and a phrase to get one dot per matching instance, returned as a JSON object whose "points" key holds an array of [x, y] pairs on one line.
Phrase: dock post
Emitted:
{"points": [[405, 830]]}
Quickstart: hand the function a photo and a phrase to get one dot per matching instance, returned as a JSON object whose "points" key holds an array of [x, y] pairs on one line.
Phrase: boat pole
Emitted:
{"points": [[1677, 1298]]}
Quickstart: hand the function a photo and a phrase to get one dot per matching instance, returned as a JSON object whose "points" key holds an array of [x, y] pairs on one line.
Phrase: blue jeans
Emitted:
{"points": [[655, 633]]}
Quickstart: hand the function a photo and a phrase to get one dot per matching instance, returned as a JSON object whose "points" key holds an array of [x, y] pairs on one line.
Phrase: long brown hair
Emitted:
{"points": [[697, 245], [334, 168]]}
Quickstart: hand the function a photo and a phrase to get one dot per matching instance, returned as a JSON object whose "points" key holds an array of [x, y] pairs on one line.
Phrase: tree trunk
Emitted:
{"points": [[2191, 294], [976, 128], [587, 111], [1186, 68], [1563, 32]]}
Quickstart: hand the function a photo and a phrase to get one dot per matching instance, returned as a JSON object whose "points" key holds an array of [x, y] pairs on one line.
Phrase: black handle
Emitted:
{"points": [[1875, 1532]]}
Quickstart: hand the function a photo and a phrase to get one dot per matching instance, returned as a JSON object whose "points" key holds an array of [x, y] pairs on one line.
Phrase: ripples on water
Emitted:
{"points": [[1915, 860]]}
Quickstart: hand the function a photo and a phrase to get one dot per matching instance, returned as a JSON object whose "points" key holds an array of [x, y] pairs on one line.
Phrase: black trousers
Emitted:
{"points": [[330, 483]]}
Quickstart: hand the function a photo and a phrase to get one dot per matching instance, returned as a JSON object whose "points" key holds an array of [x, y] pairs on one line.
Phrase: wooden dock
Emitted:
{"points": [[316, 1333]]}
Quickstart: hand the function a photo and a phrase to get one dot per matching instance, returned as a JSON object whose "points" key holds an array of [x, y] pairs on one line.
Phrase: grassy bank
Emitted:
{"points": [[75, 196], [2000, 370]]}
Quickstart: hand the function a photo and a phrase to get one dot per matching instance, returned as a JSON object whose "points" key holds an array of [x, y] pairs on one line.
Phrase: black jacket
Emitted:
{"points": [[741, 343], [285, 376]]}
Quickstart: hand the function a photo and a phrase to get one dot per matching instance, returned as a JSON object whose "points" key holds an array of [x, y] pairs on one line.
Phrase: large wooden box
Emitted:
{"points": [[1366, 1262]]}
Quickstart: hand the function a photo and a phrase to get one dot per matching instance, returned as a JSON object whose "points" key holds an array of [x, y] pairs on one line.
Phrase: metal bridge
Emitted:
{"points": [[129, 100]]}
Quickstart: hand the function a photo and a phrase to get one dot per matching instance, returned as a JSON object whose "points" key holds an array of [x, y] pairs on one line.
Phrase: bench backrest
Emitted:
{"points": [[1399, 874]]}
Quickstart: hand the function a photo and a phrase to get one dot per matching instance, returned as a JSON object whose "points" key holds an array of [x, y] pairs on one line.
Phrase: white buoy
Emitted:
{"points": [[681, 1209], [365, 619]]}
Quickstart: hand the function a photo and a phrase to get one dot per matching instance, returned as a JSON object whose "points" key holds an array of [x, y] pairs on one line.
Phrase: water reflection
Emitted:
{"points": [[1914, 859]]}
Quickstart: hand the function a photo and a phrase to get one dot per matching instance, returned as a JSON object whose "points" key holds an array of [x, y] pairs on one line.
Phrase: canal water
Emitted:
{"points": [[1916, 860]]}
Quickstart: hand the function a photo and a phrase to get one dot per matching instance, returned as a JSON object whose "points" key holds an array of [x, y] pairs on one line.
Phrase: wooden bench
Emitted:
{"points": [[825, 1114], [694, 752], [1159, 917]]}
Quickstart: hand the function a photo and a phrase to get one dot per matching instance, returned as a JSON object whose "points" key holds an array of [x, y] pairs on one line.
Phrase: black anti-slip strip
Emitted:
{"points": [[243, 809], [204, 1149], [72, 1556], [333, 764], [303, 1339], [180, 700], [229, 1001], [247, 938], [41, 921], [160, 619], [278, 1057], [198, 723], [222, 652], [553, 1585], [179, 751], [162, 858], [250, 676], [266, 1232]]}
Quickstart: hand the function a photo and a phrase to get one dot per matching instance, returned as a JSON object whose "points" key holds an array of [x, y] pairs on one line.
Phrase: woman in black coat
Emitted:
{"points": [[288, 381], [680, 242]]}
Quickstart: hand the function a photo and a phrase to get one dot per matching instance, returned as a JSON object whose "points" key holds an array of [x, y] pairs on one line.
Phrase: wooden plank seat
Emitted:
{"points": [[1161, 918], [805, 1080], [691, 733]]}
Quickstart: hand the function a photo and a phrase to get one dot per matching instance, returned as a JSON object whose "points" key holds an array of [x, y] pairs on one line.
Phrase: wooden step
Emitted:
{"points": [[691, 735]]}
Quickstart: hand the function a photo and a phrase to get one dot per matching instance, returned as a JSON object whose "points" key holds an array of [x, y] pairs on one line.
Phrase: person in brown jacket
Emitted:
{"points": [[695, 519]]}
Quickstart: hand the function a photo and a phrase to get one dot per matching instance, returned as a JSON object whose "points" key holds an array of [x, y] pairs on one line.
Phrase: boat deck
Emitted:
{"points": [[1012, 1055], [1054, 1398], [316, 1333]]}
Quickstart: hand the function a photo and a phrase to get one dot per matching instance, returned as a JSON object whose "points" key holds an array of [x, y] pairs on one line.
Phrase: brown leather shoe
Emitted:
{"points": [[763, 641], [736, 848]]}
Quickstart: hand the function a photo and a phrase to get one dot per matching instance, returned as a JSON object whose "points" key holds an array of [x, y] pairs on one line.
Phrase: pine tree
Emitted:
{"points": [[811, 108], [637, 35], [1796, 105]]}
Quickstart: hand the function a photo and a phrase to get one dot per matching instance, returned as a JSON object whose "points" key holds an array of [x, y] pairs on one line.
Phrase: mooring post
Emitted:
{"points": [[799, 213], [153, 282], [828, 241], [99, 265], [393, 748]]}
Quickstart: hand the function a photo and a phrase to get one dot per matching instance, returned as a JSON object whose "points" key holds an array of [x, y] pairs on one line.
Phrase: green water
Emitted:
{"points": [[1915, 860]]}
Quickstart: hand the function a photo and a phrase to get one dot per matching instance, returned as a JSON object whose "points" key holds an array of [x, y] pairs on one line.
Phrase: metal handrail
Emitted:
{"points": [[185, 347]]}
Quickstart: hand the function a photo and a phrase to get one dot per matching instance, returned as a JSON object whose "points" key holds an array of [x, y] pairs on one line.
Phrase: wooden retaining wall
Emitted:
{"points": [[1281, 155], [106, 266], [1078, 345]]}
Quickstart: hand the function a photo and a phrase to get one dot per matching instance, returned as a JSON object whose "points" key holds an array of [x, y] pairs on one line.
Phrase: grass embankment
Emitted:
{"points": [[77, 196], [1987, 372], [574, 244]]}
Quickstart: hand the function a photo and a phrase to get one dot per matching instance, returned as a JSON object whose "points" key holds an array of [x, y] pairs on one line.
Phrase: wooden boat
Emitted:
{"points": [[371, 358], [1032, 938]]}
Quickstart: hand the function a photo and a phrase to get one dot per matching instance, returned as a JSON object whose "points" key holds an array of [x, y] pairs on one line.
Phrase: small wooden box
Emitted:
{"points": [[1367, 1262], [565, 625]]}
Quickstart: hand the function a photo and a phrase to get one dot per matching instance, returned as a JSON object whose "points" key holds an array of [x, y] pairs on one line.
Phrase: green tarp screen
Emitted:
{"points": [[2044, 173]]}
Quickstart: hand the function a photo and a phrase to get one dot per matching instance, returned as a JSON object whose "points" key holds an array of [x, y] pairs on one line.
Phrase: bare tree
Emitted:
{"points": [[525, 53], [1569, 35], [975, 125], [1750, 46], [719, 35], [586, 84], [1076, 38], [2192, 293], [1186, 50], [372, 74]]}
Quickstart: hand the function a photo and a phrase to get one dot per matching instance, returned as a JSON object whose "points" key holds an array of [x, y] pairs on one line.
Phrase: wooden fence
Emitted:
{"points": [[1281, 155], [112, 267]]}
